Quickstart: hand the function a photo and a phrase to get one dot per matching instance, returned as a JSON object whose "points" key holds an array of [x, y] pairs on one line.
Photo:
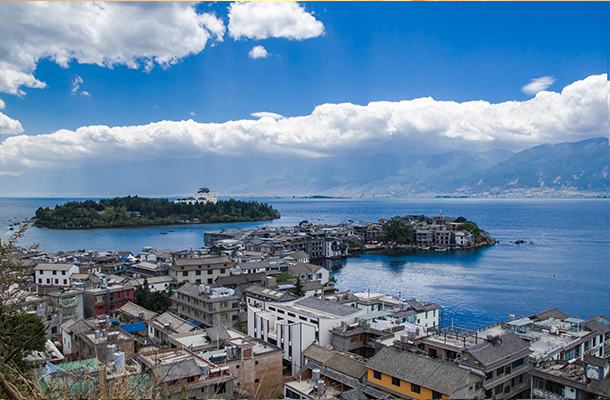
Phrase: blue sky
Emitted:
{"points": [[334, 56]]}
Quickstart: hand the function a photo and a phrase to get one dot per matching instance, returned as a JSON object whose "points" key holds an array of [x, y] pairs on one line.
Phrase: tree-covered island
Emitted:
{"points": [[140, 211]]}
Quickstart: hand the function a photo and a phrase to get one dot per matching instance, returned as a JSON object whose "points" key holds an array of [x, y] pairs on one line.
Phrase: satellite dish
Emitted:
{"points": [[592, 373]]}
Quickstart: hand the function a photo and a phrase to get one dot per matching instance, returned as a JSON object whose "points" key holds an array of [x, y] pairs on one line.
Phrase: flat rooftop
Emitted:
{"points": [[306, 387]]}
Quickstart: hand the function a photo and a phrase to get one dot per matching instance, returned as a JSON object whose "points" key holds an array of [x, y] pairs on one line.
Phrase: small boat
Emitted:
{"points": [[164, 233], [171, 230], [441, 249]]}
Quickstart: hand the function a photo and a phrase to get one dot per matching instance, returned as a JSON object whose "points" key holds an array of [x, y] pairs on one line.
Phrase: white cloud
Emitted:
{"points": [[9, 126], [261, 20], [580, 111], [103, 33], [76, 84], [192, 113], [538, 85], [258, 52], [85, 93], [265, 114]]}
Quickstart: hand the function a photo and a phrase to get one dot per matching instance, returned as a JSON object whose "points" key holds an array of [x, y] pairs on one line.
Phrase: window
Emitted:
{"points": [[426, 317], [127, 293], [377, 375], [256, 380], [39, 280], [478, 385], [222, 270], [99, 299], [63, 272], [517, 363], [353, 339], [498, 389], [57, 281], [223, 304], [415, 388], [255, 362], [65, 281], [436, 395], [210, 272], [54, 272], [190, 379], [197, 272], [395, 381], [185, 273], [507, 370], [210, 280], [489, 375], [500, 371], [237, 367], [48, 281]]}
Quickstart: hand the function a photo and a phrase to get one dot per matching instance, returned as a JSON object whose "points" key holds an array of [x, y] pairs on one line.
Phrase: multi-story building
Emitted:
{"points": [[559, 379], [167, 324], [106, 299], [202, 270], [407, 375], [207, 305], [180, 373], [203, 195], [503, 358], [54, 308], [424, 237], [294, 325], [464, 238], [55, 275]]}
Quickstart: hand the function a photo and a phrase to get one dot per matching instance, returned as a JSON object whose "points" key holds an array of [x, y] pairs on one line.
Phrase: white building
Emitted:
{"points": [[54, 274], [204, 195], [464, 238], [294, 325]]}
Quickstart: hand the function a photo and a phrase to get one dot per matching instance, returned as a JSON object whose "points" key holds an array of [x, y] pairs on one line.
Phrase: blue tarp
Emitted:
{"points": [[136, 327], [192, 321]]}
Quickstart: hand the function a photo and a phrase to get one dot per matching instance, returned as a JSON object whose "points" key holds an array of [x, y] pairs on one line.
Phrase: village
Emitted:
{"points": [[255, 314]]}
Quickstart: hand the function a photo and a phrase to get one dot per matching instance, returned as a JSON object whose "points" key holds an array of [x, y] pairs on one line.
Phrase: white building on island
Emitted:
{"points": [[204, 195]]}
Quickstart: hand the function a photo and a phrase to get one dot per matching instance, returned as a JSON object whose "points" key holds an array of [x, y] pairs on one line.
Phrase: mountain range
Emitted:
{"points": [[554, 170]]}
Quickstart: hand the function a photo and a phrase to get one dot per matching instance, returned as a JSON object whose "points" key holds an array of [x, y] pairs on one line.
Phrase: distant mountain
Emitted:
{"points": [[558, 169]]}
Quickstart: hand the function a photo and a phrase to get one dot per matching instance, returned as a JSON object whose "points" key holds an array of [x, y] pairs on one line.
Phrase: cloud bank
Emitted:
{"points": [[422, 125], [262, 20], [103, 33]]}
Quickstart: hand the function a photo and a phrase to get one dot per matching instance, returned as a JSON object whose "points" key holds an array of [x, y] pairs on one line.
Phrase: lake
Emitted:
{"points": [[567, 266]]}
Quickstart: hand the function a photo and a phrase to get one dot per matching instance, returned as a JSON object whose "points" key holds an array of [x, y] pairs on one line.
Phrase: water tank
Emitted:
{"points": [[119, 360], [321, 385], [97, 334], [511, 317], [315, 374], [110, 350], [201, 289], [412, 334], [404, 338], [224, 369], [204, 369]]}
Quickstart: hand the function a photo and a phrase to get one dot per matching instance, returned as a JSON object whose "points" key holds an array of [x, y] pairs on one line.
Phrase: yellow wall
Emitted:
{"points": [[405, 387]]}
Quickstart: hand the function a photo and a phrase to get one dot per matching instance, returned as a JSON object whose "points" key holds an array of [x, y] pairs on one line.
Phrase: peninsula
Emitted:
{"points": [[141, 211]]}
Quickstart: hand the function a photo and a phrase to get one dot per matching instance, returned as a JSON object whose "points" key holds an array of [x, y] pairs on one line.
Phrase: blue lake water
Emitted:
{"points": [[567, 267]]}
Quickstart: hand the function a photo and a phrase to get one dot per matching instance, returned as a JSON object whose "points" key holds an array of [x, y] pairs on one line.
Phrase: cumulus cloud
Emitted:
{"points": [[85, 93], [538, 85], [258, 52], [9, 126], [102, 33], [261, 20], [264, 114], [421, 125]]}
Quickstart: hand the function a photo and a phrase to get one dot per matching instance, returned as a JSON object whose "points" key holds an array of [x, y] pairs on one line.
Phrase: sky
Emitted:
{"points": [[86, 84]]}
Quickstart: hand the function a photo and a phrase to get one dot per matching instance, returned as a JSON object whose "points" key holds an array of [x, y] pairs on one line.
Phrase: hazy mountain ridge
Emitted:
{"points": [[562, 169]]}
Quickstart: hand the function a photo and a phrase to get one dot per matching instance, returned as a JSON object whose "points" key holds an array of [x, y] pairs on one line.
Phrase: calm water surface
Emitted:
{"points": [[567, 267]]}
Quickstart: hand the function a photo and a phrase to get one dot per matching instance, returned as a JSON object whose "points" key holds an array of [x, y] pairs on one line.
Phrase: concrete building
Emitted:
{"points": [[294, 325], [166, 324], [107, 299], [55, 275], [180, 373], [207, 305], [202, 270]]}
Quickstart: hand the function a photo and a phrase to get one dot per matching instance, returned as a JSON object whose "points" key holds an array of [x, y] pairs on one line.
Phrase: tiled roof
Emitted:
{"points": [[134, 309], [506, 346], [201, 261], [552, 313], [337, 361], [436, 375], [600, 324], [53, 267]]}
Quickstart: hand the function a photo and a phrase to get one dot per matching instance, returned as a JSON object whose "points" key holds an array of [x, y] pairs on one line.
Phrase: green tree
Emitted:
{"points": [[398, 231], [18, 332], [470, 227], [298, 288], [283, 277]]}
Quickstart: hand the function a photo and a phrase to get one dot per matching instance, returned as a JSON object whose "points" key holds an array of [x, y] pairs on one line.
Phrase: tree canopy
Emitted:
{"points": [[398, 231], [137, 211]]}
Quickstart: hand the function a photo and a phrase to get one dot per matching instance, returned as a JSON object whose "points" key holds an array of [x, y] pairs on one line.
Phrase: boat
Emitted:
{"points": [[171, 230], [441, 249], [164, 233]]}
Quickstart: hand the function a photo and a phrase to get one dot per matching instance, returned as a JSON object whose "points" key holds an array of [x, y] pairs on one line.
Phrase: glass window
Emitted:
{"points": [[415, 388], [185, 273], [436, 395], [395, 381], [377, 375]]}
